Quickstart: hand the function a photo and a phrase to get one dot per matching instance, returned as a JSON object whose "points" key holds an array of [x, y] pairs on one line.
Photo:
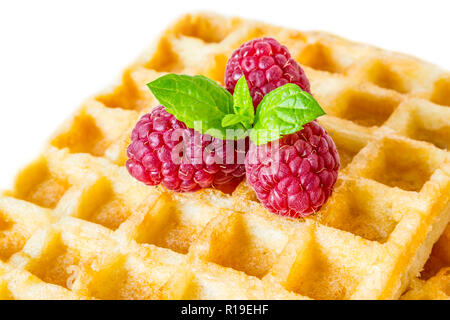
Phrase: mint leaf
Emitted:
{"points": [[220, 95], [198, 100], [194, 98], [243, 103], [284, 111], [244, 113], [232, 119]]}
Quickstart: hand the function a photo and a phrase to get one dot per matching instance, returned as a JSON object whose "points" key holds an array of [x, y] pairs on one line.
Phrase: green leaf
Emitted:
{"points": [[194, 98], [220, 95], [232, 119], [243, 103], [284, 111], [261, 136]]}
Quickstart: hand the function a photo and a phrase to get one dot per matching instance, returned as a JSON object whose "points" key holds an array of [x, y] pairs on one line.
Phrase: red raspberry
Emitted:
{"points": [[266, 65], [164, 151], [305, 168]]}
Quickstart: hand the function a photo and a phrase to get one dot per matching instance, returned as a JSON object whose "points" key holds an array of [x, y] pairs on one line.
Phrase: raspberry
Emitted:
{"points": [[297, 177], [164, 151], [266, 65]]}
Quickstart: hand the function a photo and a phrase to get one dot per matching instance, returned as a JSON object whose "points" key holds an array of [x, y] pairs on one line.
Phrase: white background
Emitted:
{"points": [[53, 54]]}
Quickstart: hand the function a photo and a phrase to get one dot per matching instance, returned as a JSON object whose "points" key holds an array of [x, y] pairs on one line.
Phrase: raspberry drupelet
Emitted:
{"points": [[296, 177], [266, 65], [164, 151]]}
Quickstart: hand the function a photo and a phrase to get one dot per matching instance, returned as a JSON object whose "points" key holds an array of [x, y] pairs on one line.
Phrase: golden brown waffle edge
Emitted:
{"points": [[75, 219]]}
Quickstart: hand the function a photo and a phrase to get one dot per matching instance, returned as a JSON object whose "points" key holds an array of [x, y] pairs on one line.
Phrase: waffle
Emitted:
{"points": [[77, 226], [435, 278]]}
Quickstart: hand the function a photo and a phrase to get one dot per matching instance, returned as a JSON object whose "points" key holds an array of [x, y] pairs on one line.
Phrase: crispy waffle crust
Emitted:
{"points": [[77, 226]]}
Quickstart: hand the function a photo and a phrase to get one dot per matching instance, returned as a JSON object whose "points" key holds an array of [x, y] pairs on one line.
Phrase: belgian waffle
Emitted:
{"points": [[77, 226], [435, 278]]}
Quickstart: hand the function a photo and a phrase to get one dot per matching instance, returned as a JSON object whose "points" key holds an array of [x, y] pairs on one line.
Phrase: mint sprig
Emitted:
{"points": [[194, 99], [243, 104]]}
